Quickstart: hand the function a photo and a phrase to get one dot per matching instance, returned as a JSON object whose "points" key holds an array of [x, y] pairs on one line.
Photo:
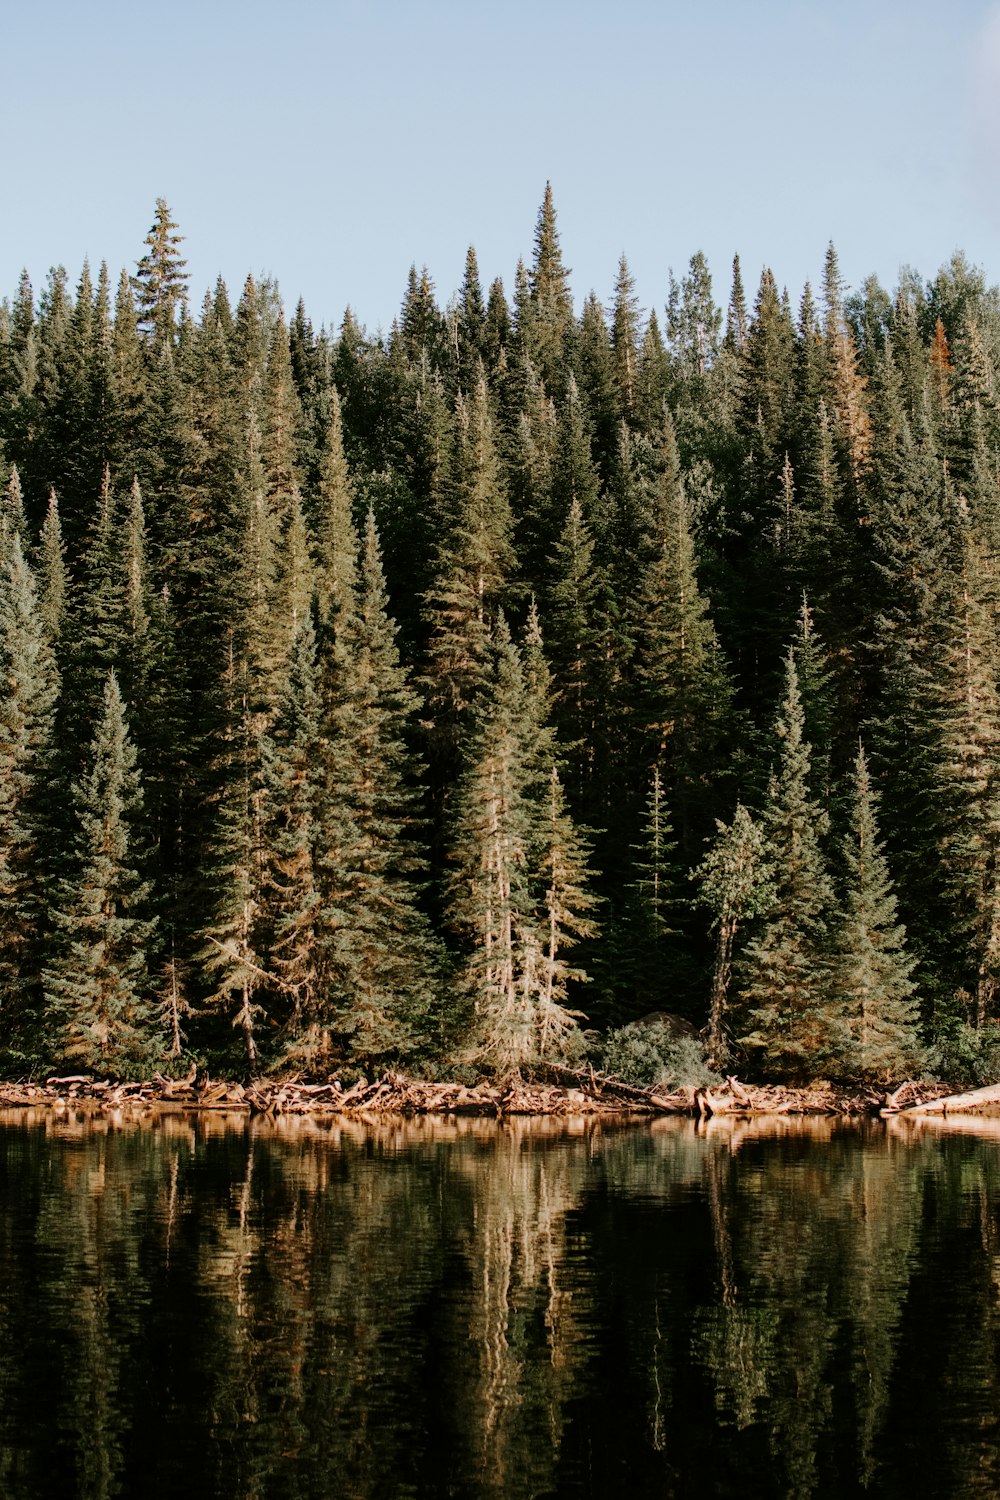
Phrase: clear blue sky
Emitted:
{"points": [[331, 143]]}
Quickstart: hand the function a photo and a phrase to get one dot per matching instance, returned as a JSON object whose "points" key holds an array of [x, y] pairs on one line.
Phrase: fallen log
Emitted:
{"points": [[971, 1102]]}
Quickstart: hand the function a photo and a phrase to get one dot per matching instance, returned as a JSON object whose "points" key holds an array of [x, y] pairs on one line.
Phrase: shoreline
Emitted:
{"points": [[393, 1094]]}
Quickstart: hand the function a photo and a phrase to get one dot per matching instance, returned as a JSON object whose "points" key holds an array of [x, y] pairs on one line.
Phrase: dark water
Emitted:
{"points": [[207, 1308]]}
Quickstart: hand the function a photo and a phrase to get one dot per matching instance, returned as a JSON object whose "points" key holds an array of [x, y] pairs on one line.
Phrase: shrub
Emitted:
{"points": [[969, 1056], [648, 1055]]}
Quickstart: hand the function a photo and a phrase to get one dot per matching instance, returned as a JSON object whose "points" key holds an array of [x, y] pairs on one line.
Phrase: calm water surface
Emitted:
{"points": [[210, 1307]]}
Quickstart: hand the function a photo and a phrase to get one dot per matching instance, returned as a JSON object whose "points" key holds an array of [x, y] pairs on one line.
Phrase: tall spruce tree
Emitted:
{"points": [[794, 1027], [519, 890], [29, 682], [551, 302], [379, 960], [291, 899], [160, 281], [734, 880], [97, 984], [871, 970]]}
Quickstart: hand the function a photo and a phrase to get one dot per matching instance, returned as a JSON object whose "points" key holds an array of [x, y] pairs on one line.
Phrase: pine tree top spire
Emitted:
{"points": [[160, 282]]}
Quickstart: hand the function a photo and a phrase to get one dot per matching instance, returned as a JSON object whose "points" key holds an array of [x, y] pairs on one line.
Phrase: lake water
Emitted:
{"points": [[213, 1307]]}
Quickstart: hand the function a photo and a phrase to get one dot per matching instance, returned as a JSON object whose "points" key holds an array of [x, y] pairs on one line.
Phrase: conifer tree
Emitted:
{"points": [[51, 570], [475, 561], [693, 324], [594, 383], [683, 688], [29, 687], [794, 1028], [471, 319], [13, 522], [967, 779], [871, 970], [653, 381], [551, 302], [97, 982], [496, 326], [915, 575], [519, 890], [565, 907], [160, 281], [656, 875], [232, 866], [736, 315], [573, 634], [531, 455], [291, 900], [625, 341], [129, 383], [335, 539], [734, 882], [490, 899], [574, 473], [378, 957]]}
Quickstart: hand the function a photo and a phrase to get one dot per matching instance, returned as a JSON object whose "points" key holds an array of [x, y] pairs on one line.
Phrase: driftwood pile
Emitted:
{"points": [[552, 1091]]}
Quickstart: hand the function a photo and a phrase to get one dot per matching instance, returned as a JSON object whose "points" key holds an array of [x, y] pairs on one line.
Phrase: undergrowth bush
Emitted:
{"points": [[648, 1055], [969, 1056]]}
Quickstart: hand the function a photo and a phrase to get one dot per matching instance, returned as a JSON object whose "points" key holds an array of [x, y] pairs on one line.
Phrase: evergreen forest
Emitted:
{"points": [[455, 697]]}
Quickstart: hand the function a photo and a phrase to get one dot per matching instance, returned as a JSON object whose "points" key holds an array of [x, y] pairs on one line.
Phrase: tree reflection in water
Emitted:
{"points": [[310, 1307]]}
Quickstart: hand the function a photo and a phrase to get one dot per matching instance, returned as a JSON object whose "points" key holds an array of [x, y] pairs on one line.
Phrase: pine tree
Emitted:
{"points": [[916, 593], [292, 768], [655, 882], [232, 872], [551, 302], [335, 539], [129, 383], [683, 690], [593, 385], [572, 630], [471, 319], [563, 863], [794, 1028], [871, 970], [693, 325], [736, 315], [30, 684], [734, 880], [475, 561], [653, 376], [160, 281], [625, 341], [97, 983], [51, 569], [496, 326], [13, 522], [966, 780], [378, 958], [519, 889]]}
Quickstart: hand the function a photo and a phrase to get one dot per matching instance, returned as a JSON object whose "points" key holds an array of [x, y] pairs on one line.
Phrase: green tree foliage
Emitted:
{"points": [[160, 281], [551, 303], [519, 891], [379, 959], [665, 497], [735, 884], [97, 986], [871, 970], [30, 684], [475, 561], [682, 685], [793, 1021]]}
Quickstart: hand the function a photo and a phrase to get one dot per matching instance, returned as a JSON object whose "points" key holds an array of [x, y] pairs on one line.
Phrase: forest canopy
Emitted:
{"points": [[446, 697]]}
